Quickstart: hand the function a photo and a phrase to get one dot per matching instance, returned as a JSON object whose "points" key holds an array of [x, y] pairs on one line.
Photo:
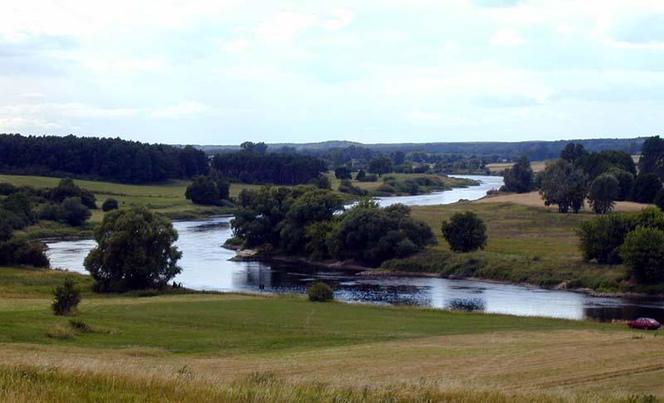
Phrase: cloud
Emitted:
{"points": [[186, 109], [506, 101], [507, 37]]}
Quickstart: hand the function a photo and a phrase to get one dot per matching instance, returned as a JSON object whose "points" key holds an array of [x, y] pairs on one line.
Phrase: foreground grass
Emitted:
{"points": [[525, 244], [212, 347]]}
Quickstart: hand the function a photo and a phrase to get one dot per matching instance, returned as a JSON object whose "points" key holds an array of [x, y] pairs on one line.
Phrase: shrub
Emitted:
{"points": [[343, 173], [643, 251], [320, 292], [74, 212], [601, 237], [109, 204], [148, 258], [20, 251], [466, 304], [208, 190], [604, 190], [67, 298], [465, 232], [67, 188]]}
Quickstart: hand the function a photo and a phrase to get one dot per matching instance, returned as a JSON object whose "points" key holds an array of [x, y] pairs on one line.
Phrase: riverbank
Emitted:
{"points": [[235, 347]]}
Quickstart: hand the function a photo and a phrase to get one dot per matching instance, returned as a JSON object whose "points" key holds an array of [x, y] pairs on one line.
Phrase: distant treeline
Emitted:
{"points": [[493, 151], [254, 165], [99, 158]]}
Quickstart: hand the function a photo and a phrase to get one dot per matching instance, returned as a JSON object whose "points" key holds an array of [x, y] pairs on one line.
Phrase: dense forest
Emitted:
{"points": [[253, 164], [99, 158]]}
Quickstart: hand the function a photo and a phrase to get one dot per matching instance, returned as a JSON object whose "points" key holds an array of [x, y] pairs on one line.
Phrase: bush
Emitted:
{"points": [[21, 252], [109, 204], [134, 251], [207, 190], [74, 212], [466, 304], [643, 251], [465, 232], [602, 237], [67, 298], [659, 199], [67, 188], [343, 173], [320, 292]]}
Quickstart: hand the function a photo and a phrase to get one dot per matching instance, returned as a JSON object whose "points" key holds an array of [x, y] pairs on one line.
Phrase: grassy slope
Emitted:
{"points": [[249, 348], [526, 244]]}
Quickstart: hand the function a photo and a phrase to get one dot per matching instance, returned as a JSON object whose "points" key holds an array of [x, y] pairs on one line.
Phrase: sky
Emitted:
{"points": [[389, 71]]}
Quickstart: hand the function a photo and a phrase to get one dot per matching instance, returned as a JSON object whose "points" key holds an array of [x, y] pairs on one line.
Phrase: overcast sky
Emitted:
{"points": [[220, 72]]}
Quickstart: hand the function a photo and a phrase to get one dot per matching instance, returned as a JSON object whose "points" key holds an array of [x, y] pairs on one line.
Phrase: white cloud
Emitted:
{"points": [[186, 109], [507, 37]]}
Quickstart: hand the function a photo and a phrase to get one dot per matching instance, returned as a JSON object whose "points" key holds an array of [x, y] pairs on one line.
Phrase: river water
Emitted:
{"points": [[206, 266]]}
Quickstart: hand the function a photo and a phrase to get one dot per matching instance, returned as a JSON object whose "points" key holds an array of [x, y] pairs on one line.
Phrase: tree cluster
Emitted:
{"points": [[100, 158], [16, 212], [603, 177], [311, 222], [519, 178], [637, 240]]}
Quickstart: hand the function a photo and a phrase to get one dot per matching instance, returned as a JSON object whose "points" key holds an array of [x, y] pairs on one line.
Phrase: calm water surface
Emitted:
{"points": [[206, 267]]}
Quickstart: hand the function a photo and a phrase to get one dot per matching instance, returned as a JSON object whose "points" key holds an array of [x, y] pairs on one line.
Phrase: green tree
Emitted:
{"points": [[135, 250], [320, 292], [646, 187], [652, 157], [67, 188], [603, 192], [625, 182], [74, 212], [465, 232], [380, 165], [519, 178], [564, 186], [643, 252], [572, 152]]}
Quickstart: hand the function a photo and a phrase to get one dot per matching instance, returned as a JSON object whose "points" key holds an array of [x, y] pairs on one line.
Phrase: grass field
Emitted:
{"points": [[525, 244], [497, 167], [260, 349]]}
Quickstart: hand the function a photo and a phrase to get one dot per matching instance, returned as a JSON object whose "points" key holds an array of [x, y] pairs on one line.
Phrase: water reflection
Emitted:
{"points": [[206, 266]]}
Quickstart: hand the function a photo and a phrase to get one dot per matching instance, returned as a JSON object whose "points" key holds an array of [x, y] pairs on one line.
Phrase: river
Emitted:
{"points": [[206, 266]]}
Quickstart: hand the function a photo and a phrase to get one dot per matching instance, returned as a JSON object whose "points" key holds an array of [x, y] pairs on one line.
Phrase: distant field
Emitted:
{"points": [[533, 199], [166, 198], [249, 348], [497, 167]]}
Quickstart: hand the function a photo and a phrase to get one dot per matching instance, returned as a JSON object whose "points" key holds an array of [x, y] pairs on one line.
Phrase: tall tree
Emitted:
{"points": [[564, 186], [519, 178]]}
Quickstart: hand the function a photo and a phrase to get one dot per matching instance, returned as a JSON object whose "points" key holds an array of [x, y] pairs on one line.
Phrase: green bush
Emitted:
{"points": [[74, 212], [67, 298], [603, 193], [109, 204], [320, 292], [465, 232], [601, 237], [643, 251]]}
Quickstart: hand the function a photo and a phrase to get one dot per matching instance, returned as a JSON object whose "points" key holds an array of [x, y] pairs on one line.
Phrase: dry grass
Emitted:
{"points": [[533, 199], [538, 166], [561, 365]]}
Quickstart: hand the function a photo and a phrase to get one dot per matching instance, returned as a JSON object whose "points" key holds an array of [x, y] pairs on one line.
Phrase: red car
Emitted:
{"points": [[644, 323]]}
